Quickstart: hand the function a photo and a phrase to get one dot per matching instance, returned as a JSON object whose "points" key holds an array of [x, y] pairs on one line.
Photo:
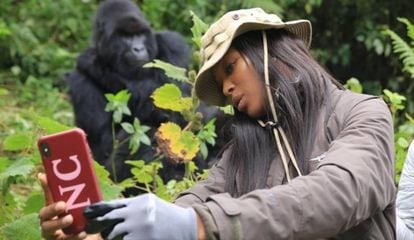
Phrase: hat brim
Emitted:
{"points": [[206, 86]]}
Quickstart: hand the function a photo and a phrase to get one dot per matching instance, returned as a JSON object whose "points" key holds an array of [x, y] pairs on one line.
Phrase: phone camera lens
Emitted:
{"points": [[45, 149]]}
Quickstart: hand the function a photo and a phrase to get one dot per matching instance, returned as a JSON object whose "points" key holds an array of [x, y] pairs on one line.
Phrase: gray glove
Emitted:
{"points": [[143, 217]]}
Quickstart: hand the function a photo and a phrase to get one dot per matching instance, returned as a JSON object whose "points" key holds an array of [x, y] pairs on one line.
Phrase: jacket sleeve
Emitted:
{"points": [[353, 182], [214, 184]]}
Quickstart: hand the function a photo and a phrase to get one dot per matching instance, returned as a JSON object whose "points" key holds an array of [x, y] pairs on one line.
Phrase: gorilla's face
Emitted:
{"points": [[135, 52], [123, 37]]}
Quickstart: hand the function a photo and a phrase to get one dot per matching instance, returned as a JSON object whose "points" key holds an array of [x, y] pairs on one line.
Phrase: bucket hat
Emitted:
{"points": [[217, 40]]}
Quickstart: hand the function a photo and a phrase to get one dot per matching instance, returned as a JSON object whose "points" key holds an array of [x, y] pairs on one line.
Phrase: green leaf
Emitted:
{"points": [[34, 203], [203, 150], [4, 163], [401, 47], [110, 97], [127, 183], [170, 70], [117, 116], [17, 142], [51, 126], [402, 142], [128, 127], [8, 208], [145, 128], [198, 29], [134, 143], [122, 96], [26, 227], [169, 97], [208, 133], [108, 188], [409, 26], [139, 127], [136, 163], [396, 100], [229, 109], [142, 176], [4, 30], [118, 104], [354, 85], [22, 167], [138, 136], [191, 166], [145, 140], [3, 91]]}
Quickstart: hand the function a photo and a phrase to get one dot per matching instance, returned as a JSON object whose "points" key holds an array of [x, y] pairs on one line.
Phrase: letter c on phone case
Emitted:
{"points": [[67, 176]]}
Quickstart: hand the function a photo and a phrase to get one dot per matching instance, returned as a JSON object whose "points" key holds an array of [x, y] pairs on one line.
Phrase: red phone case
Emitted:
{"points": [[70, 173]]}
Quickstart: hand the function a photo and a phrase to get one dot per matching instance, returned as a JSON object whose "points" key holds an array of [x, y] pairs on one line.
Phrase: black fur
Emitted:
{"points": [[106, 67]]}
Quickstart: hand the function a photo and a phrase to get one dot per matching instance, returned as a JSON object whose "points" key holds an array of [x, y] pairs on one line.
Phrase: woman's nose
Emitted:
{"points": [[228, 88]]}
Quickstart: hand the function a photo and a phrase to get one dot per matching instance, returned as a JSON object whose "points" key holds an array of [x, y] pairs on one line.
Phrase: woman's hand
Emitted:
{"points": [[142, 217], [51, 225]]}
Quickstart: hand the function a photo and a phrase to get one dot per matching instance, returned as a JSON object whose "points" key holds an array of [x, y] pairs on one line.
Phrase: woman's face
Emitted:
{"points": [[240, 83]]}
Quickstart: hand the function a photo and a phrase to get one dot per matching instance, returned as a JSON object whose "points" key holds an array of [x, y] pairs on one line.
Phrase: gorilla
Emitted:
{"points": [[122, 42]]}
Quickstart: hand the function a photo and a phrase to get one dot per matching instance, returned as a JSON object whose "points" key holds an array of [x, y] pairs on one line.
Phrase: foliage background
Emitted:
{"points": [[39, 41]]}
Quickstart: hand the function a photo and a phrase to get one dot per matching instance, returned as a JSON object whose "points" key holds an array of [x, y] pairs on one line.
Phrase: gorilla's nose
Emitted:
{"points": [[138, 49]]}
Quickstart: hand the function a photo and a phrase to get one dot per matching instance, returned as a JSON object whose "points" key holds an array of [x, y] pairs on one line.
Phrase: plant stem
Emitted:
{"points": [[154, 174], [188, 125], [187, 172], [113, 153]]}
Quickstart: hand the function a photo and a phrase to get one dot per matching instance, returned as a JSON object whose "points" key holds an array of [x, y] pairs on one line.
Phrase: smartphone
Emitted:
{"points": [[70, 174]]}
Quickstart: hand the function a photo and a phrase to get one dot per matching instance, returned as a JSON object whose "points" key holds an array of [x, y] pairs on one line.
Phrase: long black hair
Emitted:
{"points": [[299, 87]]}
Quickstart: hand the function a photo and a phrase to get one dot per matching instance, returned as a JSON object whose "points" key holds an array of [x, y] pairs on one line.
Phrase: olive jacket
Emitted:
{"points": [[349, 193]]}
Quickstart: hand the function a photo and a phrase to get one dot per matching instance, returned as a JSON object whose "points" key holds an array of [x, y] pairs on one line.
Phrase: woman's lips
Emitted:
{"points": [[238, 102], [241, 105]]}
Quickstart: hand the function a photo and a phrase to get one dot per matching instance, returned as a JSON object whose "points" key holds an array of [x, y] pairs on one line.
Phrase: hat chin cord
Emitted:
{"points": [[278, 131]]}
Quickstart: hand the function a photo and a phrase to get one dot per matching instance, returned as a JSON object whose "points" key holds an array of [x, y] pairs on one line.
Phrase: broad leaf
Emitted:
{"points": [[26, 227], [22, 167], [51, 126], [17, 142], [8, 207], [178, 145], [108, 188], [142, 176], [170, 70], [4, 163], [34, 203], [3, 91], [169, 97]]}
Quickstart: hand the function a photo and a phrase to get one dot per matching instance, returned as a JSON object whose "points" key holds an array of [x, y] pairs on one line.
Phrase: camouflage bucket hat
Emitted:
{"points": [[217, 40]]}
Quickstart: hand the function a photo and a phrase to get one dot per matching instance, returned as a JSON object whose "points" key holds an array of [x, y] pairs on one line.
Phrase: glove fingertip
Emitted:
{"points": [[99, 209]]}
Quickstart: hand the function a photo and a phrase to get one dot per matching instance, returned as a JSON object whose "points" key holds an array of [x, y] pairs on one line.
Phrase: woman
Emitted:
{"points": [[307, 160]]}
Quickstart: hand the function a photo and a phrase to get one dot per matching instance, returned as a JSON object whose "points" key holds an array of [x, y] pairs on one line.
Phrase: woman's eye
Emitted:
{"points": [[229, 68]]}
